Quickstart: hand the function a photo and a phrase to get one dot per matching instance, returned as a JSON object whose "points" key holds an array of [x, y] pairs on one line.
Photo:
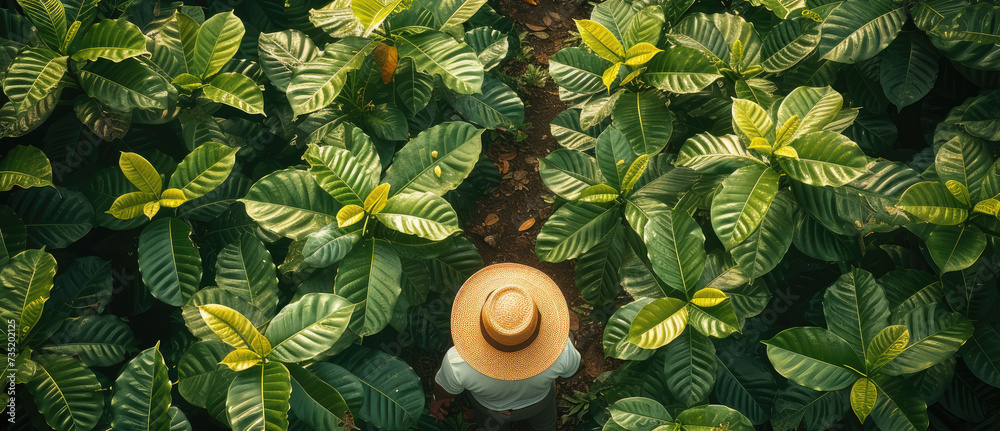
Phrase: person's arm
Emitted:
{"points": [[441, 397]]}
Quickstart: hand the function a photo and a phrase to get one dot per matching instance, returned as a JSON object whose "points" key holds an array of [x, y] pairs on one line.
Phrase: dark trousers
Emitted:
{"points": [[541, 415]]}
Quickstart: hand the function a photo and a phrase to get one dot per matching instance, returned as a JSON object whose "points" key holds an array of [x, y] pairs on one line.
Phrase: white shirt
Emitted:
{"points": [[457, 375]]}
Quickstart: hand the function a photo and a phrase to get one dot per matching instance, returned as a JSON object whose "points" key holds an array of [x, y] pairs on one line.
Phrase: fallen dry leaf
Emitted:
{"points": [[492, 218], [526, 225], [505, 168], [531, 2], [508, 156], [534, 27]]}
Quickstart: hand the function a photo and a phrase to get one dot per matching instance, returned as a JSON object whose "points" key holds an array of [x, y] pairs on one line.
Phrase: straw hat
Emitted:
{"points": [[509, 321]]}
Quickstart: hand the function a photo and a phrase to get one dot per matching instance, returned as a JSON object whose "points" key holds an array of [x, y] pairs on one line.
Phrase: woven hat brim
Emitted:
{"points": [[529, 361]]}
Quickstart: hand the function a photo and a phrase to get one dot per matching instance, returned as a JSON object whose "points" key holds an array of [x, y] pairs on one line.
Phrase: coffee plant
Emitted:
{"points": [[217, 215]]}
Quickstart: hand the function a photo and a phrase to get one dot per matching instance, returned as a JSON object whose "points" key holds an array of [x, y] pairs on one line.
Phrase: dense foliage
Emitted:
{"points": [[784, 212]]}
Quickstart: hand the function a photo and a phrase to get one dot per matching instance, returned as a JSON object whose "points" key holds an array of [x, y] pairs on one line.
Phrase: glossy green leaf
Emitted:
{"points": [[746, 384], [681, 69], [935, 334], [857, 30], [235, 329], [719, 320], [340, 173], [34, 75], [788, 43], [328, 246], [126, 85], [596, 272], [600, 40], [639, 414], [578, 70], [814, 358], [645, 121], [616, 331], [111, 39], [825, 159], [965, 160], [572, 230], [98, 340], [369, 277], [393, 394], [966, 33], [308, 326], [27, 281], [931, 201], [708, 417], [497, 107], [750, 119], [739, 207], [423, 214], [371, 13], [412, 87], [761, 252], [49, 17], [899, 406], [856, 309], [202, 380], [981, 353], [140, 173], [142, 393], [705, 152], [819, 410], [66, 392], [282, 53], [414, 167], [317, 83], [258, 398], [888, 344], [658, 323], [324, 394], [290, 203], [246, 266], [437, 53], [236, 90], [214, 43], [863, 395], [25, 166], [568, 172], [53, 216], [954, 248], [676, 249], [169, 261], [908, 69]]}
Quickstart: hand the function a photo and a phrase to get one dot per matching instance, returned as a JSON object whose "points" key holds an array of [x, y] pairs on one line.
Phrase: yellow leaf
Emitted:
{"points": [[641, 53], [610, 74], [600, 40], [761, 145], [233, 328], [635, 170], [632, 75], [708, 297], [787, 151], [377, 198], [988, 206], [386, 58], [787, 130], [863, 396], [173, 198], [959, 190], [241, 359], [349, 215], [140, 173], [130, 205], [151, 208], [598, 193]]}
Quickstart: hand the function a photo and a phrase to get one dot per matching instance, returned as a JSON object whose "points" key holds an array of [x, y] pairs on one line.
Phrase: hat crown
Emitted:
{"points": [[509, 316]]}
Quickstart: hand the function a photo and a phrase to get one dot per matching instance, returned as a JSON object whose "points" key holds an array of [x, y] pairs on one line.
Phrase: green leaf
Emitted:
{"points": [[856, 309], [858, 29], [413, 89], [617, 329], [125, 85], [26, 167], [906, 289], [645, 27], [290, 203], [335, 19], [317, 83], [719, 320], [246, 266], [783, 8], [645, 121], [142, 393], [437, 53], [819, 410], [739, 207], [909, 69], [981, 353], [234, 299], [899, 406], [450, 13], [815, 107], [141, 173], [49, 17], [569, 172], [369, 277], [681, 69], [111, 39], [578, 70], [614, 157], [788, 43], [324, 394], [751, 119], [423, 214], [214, 43], [885, 347], [53, 216], [497, 107], [340, 173], [596, 272], [241, 359], [371, 13], [328, 246], [27, 281], [965, 160], [639, 414], [747, 385], [98, 340], [34, 75], [572, 230], [708, 153], [66, 393], [766, 247], [825, 159], [394, 397], [935, 334], [814, 357], [282, 53], [201, 379], [709, 417], [169, 261], [690, 367], [600, 40], [954, 248], [457, 146], [307, 327], [932, 202], [658, 323], [966, 33], [863, 395], [676, 249], [258, 398], [235, 329], [235, 90]]}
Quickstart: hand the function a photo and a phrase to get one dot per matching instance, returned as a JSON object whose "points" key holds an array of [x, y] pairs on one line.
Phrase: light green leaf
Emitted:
{"points": [[616, 333], [214, 43], [169, 261], [111, 39], [600, 40], [498, 107], [825, 159], [932, 202], [258, 398], [371, 13], [639, 414], [751, 119], [457, 146], [740, 206], [715, 154], [308, 327], [66, 392], [568, 172], [290, 203], [814, 357], [49, 17], [709, 417], [236, 90], [423, 214], [863, 395], [27, 280], [885, 347], [935, 335], [26, 167], [788, 43], [437, 53], [965, 160], [858, 29], [658, 323], [140, 173], [317, 83], [681, 69], [235, 329]]}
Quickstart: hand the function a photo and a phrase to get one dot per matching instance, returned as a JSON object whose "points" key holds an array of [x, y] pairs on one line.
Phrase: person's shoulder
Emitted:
{"points": [[452, 357]]}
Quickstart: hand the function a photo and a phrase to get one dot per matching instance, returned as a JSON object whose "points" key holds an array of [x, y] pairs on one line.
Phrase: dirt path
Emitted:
{"points": [[500, 226]]}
